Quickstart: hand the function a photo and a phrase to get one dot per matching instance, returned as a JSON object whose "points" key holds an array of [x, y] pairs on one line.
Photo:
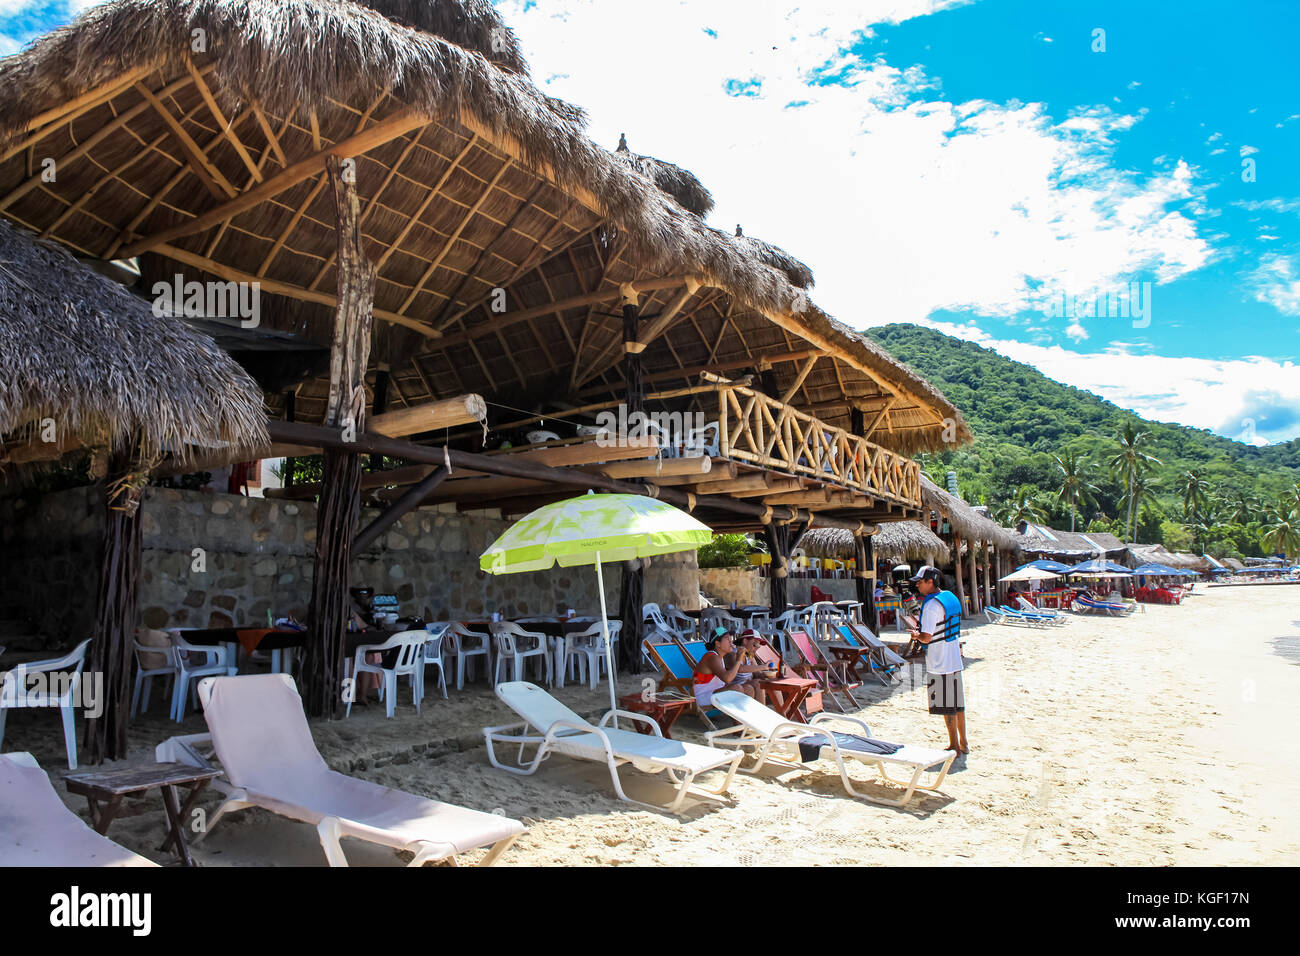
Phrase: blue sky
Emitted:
{"points": [[982, 166]]}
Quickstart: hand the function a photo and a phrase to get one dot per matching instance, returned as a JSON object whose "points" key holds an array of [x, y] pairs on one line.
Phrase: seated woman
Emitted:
{"points": [[714, 673]]}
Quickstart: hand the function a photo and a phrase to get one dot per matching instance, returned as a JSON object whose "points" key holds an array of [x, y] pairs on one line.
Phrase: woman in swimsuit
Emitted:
{"points": [[713, 674]]}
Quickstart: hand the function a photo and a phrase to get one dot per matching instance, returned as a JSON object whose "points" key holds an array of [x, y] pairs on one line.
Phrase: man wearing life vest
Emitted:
{"points": [[940, 629]]}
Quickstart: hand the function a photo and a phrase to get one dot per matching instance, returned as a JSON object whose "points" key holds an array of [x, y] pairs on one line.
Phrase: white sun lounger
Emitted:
{"points": [[266, 751], [557, 729], [776, 740], [38, 829]]}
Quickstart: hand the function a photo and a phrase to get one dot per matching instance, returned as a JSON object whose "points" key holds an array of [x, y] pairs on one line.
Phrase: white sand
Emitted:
{"points": [[1164, 738]]}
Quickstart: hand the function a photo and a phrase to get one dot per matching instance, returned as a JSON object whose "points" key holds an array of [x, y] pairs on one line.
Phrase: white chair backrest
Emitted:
{"points": [[477, 639], [153, 649], [433, 646], [71, 663], [744, 709], [410, 655], [538, 708]]}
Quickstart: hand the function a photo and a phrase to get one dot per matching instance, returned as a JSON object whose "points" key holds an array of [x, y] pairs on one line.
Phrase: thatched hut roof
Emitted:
{"points": [[677, 182], [906, 540], [77, 348], [964, 520], [1233, 564], [212, 164], [798, 273], [472, 24]]}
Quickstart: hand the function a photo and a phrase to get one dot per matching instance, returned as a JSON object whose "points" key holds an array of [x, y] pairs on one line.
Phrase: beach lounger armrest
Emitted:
{"points": [[643, 718], [825, 718], [746, 735]]}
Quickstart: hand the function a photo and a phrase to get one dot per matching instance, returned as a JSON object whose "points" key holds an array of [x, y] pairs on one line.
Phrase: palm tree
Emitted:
{"points": [[1283, 533], [1193, 488], [1076, 490], [1130, 462], [1238, 506], [1025, 505], [1143, 492]]}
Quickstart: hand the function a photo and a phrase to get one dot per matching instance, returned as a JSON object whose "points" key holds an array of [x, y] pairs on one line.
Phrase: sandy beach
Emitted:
{"points": [[1166, 738]]}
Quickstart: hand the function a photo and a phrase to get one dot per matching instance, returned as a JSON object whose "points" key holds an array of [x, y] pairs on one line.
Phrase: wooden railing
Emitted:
{"points": [[755, 428]]}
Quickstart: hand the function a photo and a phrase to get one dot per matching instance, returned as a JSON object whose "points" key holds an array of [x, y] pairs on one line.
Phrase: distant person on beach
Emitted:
{"points": [[713, 673], [939, 630]]}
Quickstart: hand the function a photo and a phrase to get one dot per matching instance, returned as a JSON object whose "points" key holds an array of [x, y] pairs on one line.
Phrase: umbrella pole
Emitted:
{"points": [[604, 630]]}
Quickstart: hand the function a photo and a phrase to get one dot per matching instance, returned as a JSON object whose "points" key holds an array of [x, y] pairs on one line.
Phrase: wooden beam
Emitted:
{"points": [[223, 124], [277, 287], [573, 302], [760, 481], [695, 370], [875, 422], [777, 486], [91, 142], [382, 132], [330, 438], [272, 140], [411, 499], [203, 168], [91, 98], [666, 467], [430, 416], [821, 497], [799, 379]]}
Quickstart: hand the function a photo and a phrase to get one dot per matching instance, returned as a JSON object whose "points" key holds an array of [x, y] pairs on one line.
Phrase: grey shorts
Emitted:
{"points": [[946, 694]]}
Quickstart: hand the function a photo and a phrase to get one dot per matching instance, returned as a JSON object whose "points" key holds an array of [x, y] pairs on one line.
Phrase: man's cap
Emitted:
{"points": [[927, 572]]}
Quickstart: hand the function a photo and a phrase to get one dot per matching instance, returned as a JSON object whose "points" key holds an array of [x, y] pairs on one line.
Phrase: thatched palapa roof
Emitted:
{"points": [[907, 540], [678, 183], [964, 520], [77, 348], [211, 163]]}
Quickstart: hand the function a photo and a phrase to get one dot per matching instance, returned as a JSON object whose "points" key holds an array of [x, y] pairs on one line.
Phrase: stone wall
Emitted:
{"points": [[213, 560], [744, 585]]}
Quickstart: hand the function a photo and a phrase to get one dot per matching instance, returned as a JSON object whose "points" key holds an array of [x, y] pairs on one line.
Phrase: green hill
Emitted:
{"points": [[1021, 419]]}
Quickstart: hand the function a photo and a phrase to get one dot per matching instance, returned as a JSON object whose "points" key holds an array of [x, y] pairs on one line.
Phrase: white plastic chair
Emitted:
{"points": [[467, 645], [215, 662], [433, 655], [507, 635], [410, 663], [699, 443], [14, 693], [587, 649], [152, 660], [712, 617]]}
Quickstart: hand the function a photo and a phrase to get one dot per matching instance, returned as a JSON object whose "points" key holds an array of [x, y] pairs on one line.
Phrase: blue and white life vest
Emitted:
{"points": [[951, 628]]}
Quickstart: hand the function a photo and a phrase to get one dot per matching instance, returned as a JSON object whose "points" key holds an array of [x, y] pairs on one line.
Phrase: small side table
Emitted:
{"points": [[793, 690], [664, 711], [114, 785]]}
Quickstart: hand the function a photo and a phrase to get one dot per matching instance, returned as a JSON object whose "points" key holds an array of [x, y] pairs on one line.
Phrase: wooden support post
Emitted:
{"points": [[632, 588], [778, 545], [974, 588], [988, 573], [957, 570], [115, 610], [336, 513]]}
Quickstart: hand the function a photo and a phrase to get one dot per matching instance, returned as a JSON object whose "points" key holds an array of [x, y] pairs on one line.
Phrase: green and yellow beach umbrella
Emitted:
{"points": [[590, 529]]}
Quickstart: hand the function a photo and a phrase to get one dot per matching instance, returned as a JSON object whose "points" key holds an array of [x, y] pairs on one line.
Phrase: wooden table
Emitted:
{"points": [[793, 690], [849, 656], [114, 785], [664, 711]]}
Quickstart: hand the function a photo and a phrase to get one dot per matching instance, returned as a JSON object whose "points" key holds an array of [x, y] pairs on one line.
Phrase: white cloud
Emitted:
{"points": [[902, 201], [1076, 331], [1253, 399], [1277, 282], [1248, 151]]}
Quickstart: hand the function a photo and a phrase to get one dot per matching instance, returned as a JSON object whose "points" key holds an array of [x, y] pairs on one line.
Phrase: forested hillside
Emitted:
{"points": [[1200, 489]]}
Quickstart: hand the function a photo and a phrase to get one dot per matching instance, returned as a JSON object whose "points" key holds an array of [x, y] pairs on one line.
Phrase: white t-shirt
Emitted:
{"points": [[941, 657]]}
